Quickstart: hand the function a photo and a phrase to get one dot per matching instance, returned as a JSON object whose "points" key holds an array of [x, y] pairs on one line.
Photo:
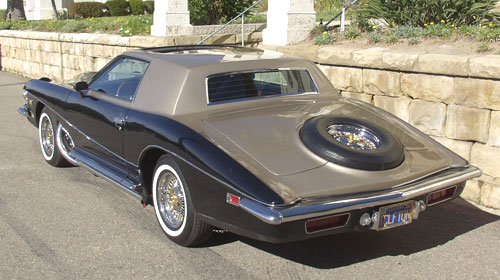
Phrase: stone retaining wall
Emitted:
{"points": [[62, 56], [453, 98]]}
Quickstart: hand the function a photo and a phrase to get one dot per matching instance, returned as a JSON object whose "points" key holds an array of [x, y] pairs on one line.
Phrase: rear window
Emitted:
{"points": [[259, 83]]}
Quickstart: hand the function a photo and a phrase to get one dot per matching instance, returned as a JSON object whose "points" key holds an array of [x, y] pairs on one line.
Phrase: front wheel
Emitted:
{"points": [[50, 150], [173, 206]]}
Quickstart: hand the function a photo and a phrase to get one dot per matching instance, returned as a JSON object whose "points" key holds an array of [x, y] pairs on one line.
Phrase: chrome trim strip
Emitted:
{"points": [[275, 216], [95, 168]]}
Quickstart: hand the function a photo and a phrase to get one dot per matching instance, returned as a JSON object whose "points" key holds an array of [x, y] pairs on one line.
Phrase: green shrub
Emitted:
{"points": [[87, 10], [325, 39], [136, 7], [118, 7], [421, 12], [216, 11], [5, 25], [3, 14], [149, 7]]}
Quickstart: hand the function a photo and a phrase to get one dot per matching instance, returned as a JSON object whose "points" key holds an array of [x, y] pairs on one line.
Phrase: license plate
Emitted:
{"points": [[396, 215]]}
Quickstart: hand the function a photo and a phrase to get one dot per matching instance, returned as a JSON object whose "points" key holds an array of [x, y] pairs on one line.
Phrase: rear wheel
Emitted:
{"points": [[46, 133], [173, 206]]}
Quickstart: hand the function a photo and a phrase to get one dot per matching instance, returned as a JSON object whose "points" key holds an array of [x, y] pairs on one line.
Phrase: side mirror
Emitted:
{"points": [[81, 86]]}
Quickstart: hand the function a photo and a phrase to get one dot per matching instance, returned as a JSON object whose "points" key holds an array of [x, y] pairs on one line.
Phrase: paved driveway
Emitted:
{"points": [[67, 224]]}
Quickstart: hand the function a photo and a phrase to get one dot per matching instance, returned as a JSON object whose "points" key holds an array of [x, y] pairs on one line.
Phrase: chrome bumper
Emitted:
{"points": [[276, 216], [24, 110]]}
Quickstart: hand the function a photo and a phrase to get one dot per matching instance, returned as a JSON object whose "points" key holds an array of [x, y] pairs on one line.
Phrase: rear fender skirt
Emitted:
{"points": [[186, 144]]}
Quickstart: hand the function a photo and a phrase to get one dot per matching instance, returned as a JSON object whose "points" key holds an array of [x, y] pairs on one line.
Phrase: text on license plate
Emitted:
{"points": [[396, 215]]}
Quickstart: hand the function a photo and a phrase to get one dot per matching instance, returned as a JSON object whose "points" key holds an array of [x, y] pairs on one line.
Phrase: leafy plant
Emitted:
{"points": [[325, 39], [87, 10], [391, 38], [413, 41], [374, 37], [421, 12], [149, 7], [352, 33], [3, 15], [483, 47], [118, 7], [216, 11], [137, 7]]}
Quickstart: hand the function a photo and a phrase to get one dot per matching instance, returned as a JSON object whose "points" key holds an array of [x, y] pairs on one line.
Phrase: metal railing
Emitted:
{"points": [[242, 15], [342, 14]]}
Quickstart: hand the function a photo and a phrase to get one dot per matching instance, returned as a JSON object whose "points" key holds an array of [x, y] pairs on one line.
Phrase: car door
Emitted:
{"points": [[100, 112]]}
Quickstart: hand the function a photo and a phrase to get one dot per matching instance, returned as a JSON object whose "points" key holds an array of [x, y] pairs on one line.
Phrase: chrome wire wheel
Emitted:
{"points": [[170, 198], [65, 143], [46, 132]]}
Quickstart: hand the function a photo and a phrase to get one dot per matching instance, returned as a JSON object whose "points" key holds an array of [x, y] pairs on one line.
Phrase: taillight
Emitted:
{"points": [[327, 223], [441, 195]]}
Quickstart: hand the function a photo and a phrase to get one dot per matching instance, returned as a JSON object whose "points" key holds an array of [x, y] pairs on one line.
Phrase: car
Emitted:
{"points": [[249, 141]]}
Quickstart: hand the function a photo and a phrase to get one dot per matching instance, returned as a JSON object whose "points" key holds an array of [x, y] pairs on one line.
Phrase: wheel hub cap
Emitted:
{"points": [[354, 136], [171, 200]]}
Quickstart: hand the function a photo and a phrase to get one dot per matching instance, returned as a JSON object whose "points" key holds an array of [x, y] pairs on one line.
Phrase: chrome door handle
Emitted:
{"points": [[119, 123]]}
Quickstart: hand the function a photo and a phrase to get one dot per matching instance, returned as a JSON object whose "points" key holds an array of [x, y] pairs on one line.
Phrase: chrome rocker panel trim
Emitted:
{"points": [[276, 216]]}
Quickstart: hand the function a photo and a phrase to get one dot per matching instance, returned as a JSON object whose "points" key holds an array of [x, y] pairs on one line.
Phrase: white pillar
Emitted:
{"points": [[171, 17], [288, 21]]}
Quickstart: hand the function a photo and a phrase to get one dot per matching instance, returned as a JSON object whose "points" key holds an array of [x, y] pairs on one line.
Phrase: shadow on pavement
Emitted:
{"points": [[438, 225]]}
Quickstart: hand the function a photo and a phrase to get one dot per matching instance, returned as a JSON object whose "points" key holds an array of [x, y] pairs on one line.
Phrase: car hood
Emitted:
{"points": [[265, 139]]}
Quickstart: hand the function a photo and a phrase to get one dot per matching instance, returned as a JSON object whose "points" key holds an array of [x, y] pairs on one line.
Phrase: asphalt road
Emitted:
{"points": [[68, 224]]}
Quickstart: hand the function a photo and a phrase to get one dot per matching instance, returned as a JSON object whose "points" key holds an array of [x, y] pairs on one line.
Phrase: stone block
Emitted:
{"points": [[325, 69], [310, 52], [68, 48], [494, 139], [428, 87], [187, 40], [345, 78], [443, 64], [382, 82], [479, 93], [487, 66], [428, 116], [465, 123], [486, 157], [221, 39], [368, 98], [99, 63], [462, 148], [150, 41], [335, 55], [490, 195], [371, 57], [70, 61], [472, 190], [397, 106]]}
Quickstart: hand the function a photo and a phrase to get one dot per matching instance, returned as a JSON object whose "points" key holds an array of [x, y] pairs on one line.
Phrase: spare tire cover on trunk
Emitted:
{"points": [[352, 143]]}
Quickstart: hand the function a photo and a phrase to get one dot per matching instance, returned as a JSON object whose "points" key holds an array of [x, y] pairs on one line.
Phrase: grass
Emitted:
{"points": [[125, 26], [487, 33]]}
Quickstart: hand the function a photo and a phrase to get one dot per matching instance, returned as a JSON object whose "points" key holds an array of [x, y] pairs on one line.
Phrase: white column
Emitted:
{"points": [[171, 17], [288, 21]]}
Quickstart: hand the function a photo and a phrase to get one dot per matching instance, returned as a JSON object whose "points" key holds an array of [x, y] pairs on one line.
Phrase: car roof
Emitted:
{"points": [[194, 56], [175, 82]]}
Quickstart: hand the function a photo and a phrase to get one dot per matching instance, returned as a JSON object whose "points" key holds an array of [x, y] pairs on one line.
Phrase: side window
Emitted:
{"points": [[121, 79]]}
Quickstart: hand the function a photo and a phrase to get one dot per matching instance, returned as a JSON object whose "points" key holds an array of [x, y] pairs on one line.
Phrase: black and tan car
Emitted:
{"points": [[250, 141]]}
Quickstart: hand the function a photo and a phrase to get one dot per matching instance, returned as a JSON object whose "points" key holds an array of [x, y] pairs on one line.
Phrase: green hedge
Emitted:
{"points": [[149, 7], [87, 10], [118, 7], [216, 11], [136, 7], [3, 14]]}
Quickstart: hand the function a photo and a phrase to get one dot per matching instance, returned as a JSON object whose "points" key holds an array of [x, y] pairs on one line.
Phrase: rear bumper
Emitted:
{"points": [[310, 209]]}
